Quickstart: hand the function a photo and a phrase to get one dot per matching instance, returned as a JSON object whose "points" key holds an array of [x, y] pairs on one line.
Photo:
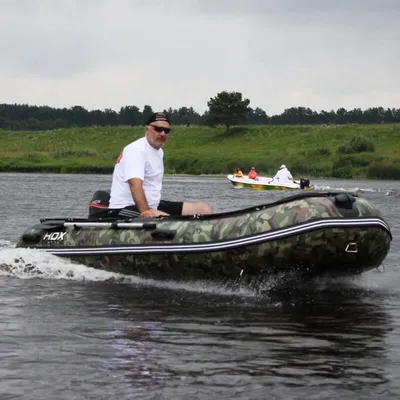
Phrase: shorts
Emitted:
{"points": [[170, 207]]}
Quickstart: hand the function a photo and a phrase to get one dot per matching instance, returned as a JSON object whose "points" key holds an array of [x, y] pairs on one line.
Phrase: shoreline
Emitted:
{"points": [[312, 151], [330, 178]]}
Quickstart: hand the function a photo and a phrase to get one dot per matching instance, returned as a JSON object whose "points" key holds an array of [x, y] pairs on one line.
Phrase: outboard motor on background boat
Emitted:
{"points": [[304, 183], [98, 206]]}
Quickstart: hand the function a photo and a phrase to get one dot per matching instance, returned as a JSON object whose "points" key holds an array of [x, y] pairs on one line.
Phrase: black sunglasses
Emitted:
{"points": [[160, 129]]}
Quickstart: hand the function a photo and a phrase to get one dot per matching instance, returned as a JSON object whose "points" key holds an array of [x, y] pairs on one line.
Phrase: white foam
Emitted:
{"points": [[6, 244], [336, 189], [386, 191], [32, 263]]}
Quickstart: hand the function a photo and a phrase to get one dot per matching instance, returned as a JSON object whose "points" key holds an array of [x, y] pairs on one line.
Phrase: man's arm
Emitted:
{"points": [[275, 176], [136, 188]]}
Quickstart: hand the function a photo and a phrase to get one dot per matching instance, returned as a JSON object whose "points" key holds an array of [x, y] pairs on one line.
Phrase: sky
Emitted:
{"points": [[322, 54]]}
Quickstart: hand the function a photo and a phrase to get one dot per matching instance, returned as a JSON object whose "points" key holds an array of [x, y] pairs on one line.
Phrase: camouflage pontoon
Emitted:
{"points": [[310, 234]]}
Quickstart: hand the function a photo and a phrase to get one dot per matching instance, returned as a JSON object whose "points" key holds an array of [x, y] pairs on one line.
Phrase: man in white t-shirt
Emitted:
{"points": [[282, 176], [138, 174]]}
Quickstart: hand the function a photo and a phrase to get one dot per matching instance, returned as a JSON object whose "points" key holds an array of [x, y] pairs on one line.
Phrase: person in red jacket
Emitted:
{"points": [[252, 174]]}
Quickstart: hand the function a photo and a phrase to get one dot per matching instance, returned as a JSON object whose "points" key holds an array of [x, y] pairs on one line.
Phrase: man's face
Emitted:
{"points": [[157, 133]]}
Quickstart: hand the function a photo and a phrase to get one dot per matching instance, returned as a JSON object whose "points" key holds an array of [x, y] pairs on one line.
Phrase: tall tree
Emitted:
{"points": [[147, 111], [228, 108], [257, 117], [130, 115]]}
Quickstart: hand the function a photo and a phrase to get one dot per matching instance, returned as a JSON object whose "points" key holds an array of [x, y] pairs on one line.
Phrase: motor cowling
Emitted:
{"points": [[98, 206], [304, 183]]}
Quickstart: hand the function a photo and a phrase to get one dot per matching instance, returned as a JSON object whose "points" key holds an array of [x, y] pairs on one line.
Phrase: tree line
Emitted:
{"points": [[227, 108]]}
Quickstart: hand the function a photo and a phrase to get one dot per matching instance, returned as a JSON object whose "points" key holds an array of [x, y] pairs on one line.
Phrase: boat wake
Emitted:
{"points": [[29, 263], [357, 190], [36, 264]]}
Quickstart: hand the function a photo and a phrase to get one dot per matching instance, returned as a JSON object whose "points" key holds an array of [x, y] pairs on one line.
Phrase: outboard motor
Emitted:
{"points": [[98, 206], [304, 183]]}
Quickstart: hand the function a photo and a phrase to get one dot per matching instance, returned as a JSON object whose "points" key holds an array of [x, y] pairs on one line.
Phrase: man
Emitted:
{"points": [[283, 175], [138, 173]]}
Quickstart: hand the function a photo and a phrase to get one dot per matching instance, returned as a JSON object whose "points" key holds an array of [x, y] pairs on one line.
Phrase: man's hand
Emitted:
{"points": [[152, 213]]}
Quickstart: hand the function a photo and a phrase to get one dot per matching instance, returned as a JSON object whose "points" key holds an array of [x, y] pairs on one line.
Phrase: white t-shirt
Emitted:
{"points": [[138, 160], [283, 175]]}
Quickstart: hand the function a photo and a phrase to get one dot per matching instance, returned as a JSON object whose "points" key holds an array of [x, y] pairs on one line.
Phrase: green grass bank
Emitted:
{"points": [[310, 151]]}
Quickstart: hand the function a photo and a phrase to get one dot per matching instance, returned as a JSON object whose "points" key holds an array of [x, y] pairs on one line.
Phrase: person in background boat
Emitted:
{"points": [[238, 173], [138, 174], [252, 174], [283, 175]]}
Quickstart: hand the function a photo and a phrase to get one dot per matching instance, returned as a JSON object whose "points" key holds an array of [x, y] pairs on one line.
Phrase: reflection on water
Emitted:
{"points": [[332, 338], [338, 336]]}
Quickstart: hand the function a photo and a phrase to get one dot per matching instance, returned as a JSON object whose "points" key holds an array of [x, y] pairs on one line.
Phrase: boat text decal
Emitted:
{"points": [[54, 236]]}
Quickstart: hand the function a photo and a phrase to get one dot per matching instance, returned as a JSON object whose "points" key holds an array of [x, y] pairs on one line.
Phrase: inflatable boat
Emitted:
{"points": [[310, 234]]}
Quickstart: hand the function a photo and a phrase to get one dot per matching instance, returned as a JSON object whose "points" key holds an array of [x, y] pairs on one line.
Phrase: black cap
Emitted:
{"points": [[158, 116]]}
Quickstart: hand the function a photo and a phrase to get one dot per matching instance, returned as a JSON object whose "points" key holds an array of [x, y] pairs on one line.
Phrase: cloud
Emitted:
{"points": [[257, 7], [108, 54]]}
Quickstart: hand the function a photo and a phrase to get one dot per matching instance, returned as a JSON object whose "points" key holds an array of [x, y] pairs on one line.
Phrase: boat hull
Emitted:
{"points": [[307, 236], [312, 253]]}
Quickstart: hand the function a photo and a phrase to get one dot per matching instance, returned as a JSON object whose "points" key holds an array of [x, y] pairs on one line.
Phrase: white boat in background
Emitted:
{"points": [[266, 183]]}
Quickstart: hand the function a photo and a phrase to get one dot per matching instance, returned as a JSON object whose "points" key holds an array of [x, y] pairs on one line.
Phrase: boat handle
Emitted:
{"points": [[163, 234], [351, 248]]}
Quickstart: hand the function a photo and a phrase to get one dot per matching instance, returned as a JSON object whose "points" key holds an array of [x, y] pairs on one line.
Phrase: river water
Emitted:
{"points": [[70, 332]]}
